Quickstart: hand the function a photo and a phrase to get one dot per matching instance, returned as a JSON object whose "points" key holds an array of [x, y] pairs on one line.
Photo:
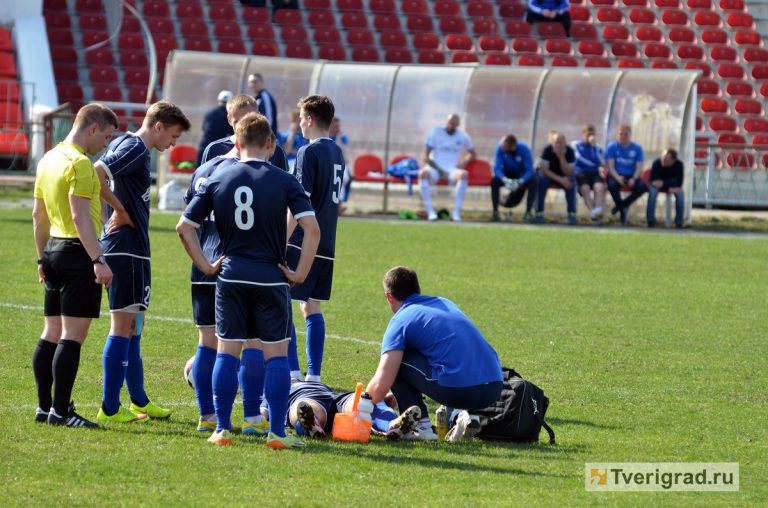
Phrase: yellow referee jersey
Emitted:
{"points": [[65, 171]]}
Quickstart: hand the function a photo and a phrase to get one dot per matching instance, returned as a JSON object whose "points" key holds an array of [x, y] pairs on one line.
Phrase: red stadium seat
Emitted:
{"points": [[564, 61], [748, 107], [155, 9], [130, 41], [558, 46], [525, 45], [326, 35], [705, 5], [107, 93], [674, 18], [630, 63], [764, 90], [597, 61], [58, 54], [93, 22], [93, 37], [464, 57], [512, 11], [333, 52], [642, 17], [740, 20], [231, 46], [492, 43], [419, 23], [58, 38], [603, 2], [54, 5], [264, 48], [723, 124], [714, 36], [613, 33], [261, 31], [317, 4], [386, 22], [446, 8], [747, 38], [189, 10], [663, 64], [359, 37], [227, 29], [130, 24], [198, 44], [256, 15], [382, 6], [9, 91], [181, 153], [609, 15], [161, 26], [456, 42], [705, 69], [398, 56], [707, 19], [730, 139], [57, 20], [479, 9], [624, 49], [354, 20], [414, 7], [723, 54], [133, 59], [431, 56], [89, 6], [425, 40], [395, 39], [136, 76], [760, 72], [479, 173], [680, 35], [530, 61], [739, 89], [288, 17], [368, 168], [583, 31], [497, 59], [657, 50], [318, 19], [706, 86], [485, 26], [579, 13], [756, 125], [518, 29], [591, 48], [756, 55], [453, 25], [690, 52], [221, 12], [105, 75], [731, 71], [713, 105], [732, 5], [760, 139], [293, 34], [69, 92], [667, 4], [298, 50], [194, 28], [365, 54], [648, 34], [634, 3], [547, 30]]}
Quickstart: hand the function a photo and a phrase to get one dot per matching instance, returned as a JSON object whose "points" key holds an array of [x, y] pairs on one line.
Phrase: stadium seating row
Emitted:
{"points": [[13, 134]]}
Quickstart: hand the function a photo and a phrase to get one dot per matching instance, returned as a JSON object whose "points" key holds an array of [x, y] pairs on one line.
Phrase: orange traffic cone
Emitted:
{"points": [[349, 426]]}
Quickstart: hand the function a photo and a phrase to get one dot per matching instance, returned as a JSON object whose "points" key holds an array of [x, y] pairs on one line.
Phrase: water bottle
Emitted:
{"points": [[365, 408], [441, 422]]}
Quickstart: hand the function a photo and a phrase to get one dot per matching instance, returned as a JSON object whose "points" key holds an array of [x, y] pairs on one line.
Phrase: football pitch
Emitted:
{"points": [[651, 347]]}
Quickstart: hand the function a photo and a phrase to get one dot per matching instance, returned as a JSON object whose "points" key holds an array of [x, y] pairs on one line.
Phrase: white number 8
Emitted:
{"points": [[243, 200]]}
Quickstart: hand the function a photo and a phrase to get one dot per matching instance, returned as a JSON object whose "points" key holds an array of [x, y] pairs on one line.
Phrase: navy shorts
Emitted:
{"points": [[204, 304], [70, 284], [131, 282], [318, 283], [249, 311], [589, 179]]}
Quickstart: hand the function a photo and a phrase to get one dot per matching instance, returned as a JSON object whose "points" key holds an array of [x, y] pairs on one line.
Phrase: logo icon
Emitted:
{"points": [[598, 476]]}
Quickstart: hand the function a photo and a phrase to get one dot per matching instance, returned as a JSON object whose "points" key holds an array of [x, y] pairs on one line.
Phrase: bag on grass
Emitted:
{"points": [[518, 415]]}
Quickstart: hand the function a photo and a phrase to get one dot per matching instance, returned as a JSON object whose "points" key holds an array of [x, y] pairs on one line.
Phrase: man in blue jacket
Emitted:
{"points": [[513, 169]]}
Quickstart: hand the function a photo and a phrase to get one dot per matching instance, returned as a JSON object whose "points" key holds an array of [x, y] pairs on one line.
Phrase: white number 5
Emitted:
{"points": [[338, 169]]}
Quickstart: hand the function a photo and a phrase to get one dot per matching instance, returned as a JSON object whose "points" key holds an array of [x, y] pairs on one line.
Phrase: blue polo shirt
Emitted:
{"points": [[455, 349], [517, 164], [626, 157]]}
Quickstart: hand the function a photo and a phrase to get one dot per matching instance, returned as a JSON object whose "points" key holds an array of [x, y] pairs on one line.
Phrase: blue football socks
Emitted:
{"points": [[114, 361], [315, 344], [134, 374], [277, 387], [293, 352], [251, 376], [224, 389], [202, 376]]}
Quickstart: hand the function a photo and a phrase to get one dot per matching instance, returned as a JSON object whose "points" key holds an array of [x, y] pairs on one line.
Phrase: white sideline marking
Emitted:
{"points": [[96, 405], [37, 308]]}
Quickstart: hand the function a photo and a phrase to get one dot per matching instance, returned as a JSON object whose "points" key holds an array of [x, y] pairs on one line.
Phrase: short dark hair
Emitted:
{"points": [[95, 114], [401, 282], [319, 107], [672, 153], [168, 114], [253, 130], [510, 139]]}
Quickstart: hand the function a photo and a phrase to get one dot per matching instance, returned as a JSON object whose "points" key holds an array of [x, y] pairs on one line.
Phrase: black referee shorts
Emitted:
{"points": [[70, 284]]}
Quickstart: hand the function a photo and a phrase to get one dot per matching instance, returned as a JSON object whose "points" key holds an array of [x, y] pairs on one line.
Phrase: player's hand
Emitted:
{"points": [[567, 183], [103, 274], [631, 182], [214, 267], [657, 183], [118, 220], [40, 274], [365, 407], [292, 277]]}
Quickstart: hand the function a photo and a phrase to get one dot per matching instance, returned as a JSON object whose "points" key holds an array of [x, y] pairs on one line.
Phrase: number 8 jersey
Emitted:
{"points": [[320, 169], [249, 200]]}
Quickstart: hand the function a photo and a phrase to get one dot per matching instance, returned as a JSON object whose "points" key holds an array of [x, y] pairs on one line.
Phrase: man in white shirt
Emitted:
{"points": [[442, 158]]}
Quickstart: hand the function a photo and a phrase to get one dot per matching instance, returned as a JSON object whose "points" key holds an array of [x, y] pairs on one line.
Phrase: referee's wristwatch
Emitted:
{"points": [[100, 260]]}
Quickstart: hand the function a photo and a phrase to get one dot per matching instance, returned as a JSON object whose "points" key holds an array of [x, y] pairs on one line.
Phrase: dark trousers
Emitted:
{"points": [[415, 378], [653, 194], [615, 189], [514, 198], [541, 195], [564, 19]]}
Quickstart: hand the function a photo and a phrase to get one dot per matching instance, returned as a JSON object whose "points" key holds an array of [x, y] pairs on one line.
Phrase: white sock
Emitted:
{"points": [[424, 423], [313, 378], [426, 195], [461, 188], [296, 374], [251, 419]]}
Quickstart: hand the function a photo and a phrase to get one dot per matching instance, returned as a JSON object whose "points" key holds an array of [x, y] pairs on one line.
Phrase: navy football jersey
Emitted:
{"points": [[209, 237], [320, 168], [126, 161], [250, 199], [224, 145]]}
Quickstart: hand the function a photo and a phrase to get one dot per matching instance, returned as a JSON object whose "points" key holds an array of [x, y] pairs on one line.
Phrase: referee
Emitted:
{"points": [[66, 217]]}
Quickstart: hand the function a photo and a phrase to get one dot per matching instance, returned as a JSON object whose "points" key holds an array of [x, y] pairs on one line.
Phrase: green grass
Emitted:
{"points": [[651, 347]]}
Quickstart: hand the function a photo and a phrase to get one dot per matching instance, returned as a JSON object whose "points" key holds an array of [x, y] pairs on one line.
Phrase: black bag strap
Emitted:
{"points": [[549, 431]]}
